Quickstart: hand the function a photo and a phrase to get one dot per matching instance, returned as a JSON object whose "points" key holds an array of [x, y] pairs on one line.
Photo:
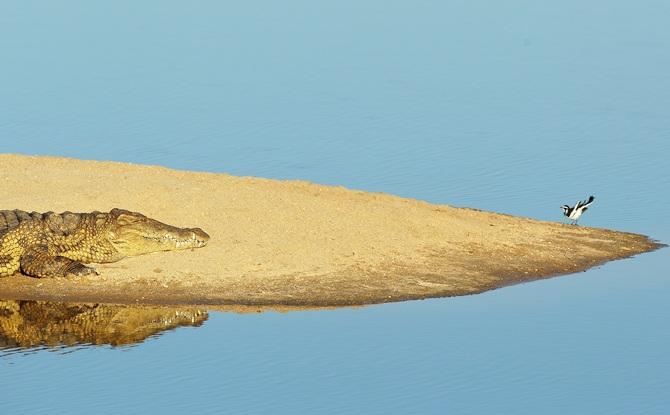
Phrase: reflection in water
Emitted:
{"points": [[26, 324]]}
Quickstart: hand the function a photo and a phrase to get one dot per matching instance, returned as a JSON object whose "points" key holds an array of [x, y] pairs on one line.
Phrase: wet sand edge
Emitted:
{"points": [[19, 289]]}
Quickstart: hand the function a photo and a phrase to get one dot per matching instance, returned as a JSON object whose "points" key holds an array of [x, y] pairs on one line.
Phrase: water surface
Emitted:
{"points": [[517, 107]]}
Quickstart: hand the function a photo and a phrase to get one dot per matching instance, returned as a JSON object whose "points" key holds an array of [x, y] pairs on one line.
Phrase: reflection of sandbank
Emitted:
{"points": [[294, 243], [39, 323]]}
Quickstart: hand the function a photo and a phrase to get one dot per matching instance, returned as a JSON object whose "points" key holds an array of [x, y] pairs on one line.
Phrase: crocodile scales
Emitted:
{"points": [[58, 244]]}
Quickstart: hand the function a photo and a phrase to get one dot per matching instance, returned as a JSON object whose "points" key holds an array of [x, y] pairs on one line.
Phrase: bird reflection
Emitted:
{"points": [[26, 324]]}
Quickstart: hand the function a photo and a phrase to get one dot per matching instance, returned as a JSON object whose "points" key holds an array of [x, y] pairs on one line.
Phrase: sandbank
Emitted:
{"points": [[293, 243]]}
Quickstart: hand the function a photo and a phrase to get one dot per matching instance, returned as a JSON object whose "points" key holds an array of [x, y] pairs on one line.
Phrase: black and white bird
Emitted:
{"points": [[576, 211]]}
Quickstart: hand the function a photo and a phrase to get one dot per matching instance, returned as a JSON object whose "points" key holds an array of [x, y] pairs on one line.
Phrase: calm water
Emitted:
{"points": [[515, 107]]}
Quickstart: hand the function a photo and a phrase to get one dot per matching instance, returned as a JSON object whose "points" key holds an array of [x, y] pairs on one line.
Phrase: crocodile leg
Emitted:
{"points": [[9, 264], [37, 262]]}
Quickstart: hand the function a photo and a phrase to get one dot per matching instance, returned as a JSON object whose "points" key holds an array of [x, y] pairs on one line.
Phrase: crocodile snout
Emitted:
{"points": [[200, 235]]}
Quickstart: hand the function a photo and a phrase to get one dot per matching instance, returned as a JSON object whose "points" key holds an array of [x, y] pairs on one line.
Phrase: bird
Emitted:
{"points": [[573, 213]]}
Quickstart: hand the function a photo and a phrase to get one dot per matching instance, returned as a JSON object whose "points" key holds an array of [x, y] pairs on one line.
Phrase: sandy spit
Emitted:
{"points": [[293, 243]]}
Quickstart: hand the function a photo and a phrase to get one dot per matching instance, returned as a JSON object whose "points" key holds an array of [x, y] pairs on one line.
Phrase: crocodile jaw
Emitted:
{"points": [[133, 234]]}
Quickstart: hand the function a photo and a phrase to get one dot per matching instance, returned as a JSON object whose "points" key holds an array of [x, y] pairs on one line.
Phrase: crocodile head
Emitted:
{"points": [[132, 233]]}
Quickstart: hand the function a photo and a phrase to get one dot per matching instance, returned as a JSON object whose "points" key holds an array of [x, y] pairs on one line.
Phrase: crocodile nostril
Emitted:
{"points": [[200, 234]]}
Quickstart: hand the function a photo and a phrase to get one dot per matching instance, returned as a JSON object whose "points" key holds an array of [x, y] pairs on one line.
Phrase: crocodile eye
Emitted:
{"points": [[126, 219]]}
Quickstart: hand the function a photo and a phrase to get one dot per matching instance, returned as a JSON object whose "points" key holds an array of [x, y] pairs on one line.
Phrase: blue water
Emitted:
{"points": [[516, 107]]}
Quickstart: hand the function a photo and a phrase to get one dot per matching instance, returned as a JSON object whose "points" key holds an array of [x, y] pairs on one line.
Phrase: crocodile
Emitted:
{"points": [[59, 244]]}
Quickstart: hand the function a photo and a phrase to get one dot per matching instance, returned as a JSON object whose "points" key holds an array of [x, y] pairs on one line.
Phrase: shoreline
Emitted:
{"points": [[284, 244]]}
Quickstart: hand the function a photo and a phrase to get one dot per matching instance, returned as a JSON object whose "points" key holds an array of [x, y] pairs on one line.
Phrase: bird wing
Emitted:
{"points": [[583, 204]]}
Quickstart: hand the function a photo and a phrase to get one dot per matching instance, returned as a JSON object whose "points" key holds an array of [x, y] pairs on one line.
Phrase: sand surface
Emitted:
{"points": [[293, 243]]}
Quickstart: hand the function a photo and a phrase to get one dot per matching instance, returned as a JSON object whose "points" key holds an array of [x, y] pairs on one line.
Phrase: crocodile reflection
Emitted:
{"points": [[42, 323]]}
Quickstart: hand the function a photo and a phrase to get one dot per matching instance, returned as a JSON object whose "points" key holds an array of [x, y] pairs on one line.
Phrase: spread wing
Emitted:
{"points": [[583, 204]]}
